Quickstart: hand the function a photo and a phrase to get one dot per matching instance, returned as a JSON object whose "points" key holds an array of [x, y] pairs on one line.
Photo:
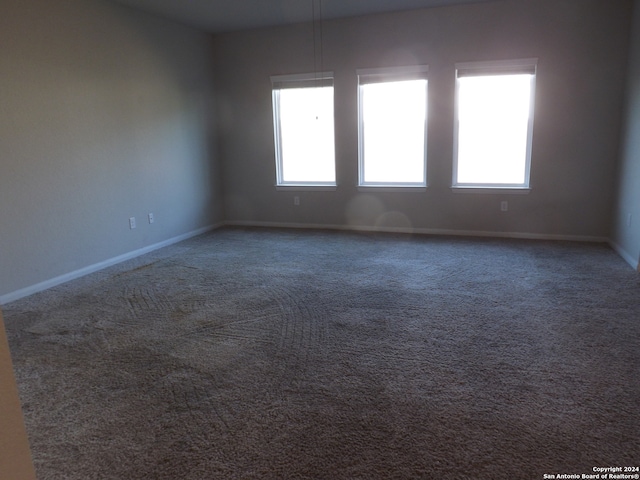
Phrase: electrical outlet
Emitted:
{"points": [[504, 206], [151, 219], [132, 223], [296, 200]]}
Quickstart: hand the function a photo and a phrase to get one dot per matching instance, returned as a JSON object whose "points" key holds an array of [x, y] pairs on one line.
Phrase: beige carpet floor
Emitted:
{"points": [[280, 354]]}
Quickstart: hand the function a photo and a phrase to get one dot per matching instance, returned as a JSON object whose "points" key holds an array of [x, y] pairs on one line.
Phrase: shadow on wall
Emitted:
{"points": [[369, 211], [15, 456]]}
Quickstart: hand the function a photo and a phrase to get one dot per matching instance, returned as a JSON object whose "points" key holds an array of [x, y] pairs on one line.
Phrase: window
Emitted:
{"points": [[392, 118], [494, 123], [303, 128]]}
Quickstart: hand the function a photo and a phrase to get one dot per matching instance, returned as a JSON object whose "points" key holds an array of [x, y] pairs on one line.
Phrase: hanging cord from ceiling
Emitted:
{"points": [[318, 40], [318, 44]]}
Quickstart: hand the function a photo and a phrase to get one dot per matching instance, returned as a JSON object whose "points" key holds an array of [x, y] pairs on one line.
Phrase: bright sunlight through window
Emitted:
{"points": [[392, 126], [304, 134], [494, 129], [393, 132]]}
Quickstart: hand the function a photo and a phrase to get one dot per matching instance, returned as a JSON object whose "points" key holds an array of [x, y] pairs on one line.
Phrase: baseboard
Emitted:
{"points": [[625, 255], [39, 287], [424, 231]]}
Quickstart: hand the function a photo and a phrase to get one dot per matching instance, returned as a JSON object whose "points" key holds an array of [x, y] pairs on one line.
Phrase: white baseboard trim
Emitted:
{"points": [[625, 255], [424, 231], [39, 287]]}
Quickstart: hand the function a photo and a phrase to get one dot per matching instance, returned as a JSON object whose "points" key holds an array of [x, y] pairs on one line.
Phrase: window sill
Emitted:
{"points": [[307, 188], [492, 190], [392, 188]]}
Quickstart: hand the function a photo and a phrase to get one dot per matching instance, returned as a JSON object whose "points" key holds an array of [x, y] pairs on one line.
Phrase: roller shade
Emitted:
{"points": [[306, 80], [392, 74], [510, 67]]}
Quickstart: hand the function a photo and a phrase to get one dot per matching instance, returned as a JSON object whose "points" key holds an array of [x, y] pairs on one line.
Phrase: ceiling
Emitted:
{"points": [[230, 15]]}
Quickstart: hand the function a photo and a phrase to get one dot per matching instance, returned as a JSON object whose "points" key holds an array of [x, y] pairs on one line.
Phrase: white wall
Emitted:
{"points": [[582, 48], [105, 115], [626, 224]]}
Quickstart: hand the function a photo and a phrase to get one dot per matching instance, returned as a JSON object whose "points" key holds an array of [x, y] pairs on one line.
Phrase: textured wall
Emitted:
{"points": [[626, 227], [582, 48], [106, 114]]}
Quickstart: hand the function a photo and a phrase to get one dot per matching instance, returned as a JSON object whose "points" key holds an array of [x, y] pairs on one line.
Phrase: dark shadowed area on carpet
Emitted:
{"points": [[258, 353]]}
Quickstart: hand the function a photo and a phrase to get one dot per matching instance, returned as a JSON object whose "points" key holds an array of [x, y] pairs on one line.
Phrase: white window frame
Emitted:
{"points": [[279, 82], [502, 67], [381, 75]]}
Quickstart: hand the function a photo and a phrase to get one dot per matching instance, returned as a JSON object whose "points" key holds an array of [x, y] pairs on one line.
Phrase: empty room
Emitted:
{"points": [[333, 239]]}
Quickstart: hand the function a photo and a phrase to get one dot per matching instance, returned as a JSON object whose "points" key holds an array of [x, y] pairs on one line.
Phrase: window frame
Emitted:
{"points": [[303, 80], [383, 75], [490, 68]]}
